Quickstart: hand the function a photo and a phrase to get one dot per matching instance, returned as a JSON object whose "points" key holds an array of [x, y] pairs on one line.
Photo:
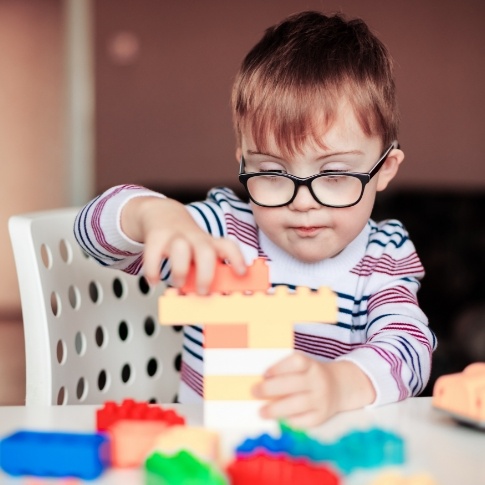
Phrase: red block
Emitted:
{"points": [[129, 409], [261, 469]]}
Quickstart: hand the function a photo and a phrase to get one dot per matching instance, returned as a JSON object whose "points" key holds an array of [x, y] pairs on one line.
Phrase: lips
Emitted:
{"points": [[307, 231]]}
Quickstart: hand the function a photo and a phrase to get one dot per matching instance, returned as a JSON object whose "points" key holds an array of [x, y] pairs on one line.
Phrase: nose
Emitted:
{"points": [[304, 200]]}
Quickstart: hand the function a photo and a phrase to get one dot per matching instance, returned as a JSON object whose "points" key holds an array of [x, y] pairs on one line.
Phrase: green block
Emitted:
{"points": [[183, 468]]}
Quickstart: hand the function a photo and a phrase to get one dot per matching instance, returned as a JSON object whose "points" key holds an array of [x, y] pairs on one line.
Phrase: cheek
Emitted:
{"points": [[267, 219]]}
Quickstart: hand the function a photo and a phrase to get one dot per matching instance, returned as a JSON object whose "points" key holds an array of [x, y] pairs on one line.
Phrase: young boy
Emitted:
{"points": [[316, 124]]}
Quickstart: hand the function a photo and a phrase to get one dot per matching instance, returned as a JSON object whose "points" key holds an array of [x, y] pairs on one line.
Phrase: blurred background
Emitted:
{"points": [[95, 93]]}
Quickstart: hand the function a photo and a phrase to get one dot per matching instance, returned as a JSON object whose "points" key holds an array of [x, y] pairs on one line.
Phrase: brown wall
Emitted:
{"points": [[163, 114], [32, 136]]}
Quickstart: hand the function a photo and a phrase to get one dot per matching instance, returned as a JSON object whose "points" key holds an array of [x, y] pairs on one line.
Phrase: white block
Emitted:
{"points": [[241, 361], [237, 415]]}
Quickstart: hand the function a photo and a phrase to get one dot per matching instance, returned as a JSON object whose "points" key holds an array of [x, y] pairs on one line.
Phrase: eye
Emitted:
{"points": [[271, 171], [337, 172]]}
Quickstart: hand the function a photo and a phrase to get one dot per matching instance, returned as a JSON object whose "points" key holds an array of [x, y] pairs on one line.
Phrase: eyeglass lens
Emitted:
{"points": [[336, 190]]}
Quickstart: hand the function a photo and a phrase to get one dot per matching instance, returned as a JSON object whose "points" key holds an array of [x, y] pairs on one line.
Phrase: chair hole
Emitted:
{"points": [[118, 288], [62, 396], [103, 381], [177, 328], [177, 362], [74, 297], [152, 367], [80, 343], [46, 256], [143, 285], [100, 336], [126, 373], [149, 326], [66, 251], [95, 292], [61, 352], [123, 330], [81, 389], [55, 304], [152, 400]]}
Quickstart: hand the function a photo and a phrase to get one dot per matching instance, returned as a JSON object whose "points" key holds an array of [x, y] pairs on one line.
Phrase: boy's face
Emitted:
{"points": [[306, 229]]}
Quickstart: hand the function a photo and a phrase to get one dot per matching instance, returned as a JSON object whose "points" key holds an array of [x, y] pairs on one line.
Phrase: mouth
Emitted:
{"points": [[308, 231]]}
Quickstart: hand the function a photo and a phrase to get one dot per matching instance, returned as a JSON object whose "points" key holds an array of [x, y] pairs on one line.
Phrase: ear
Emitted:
{"points": [[389, 169], [238, 154]]}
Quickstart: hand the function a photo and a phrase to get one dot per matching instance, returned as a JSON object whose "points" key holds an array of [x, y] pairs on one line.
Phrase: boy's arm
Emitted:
{"points": [[128, 227], [392, 363], [168, 231], [307, 392]]}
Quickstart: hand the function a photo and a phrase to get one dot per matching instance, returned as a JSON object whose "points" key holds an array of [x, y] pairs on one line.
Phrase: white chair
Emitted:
{"points": [[91, 333]]}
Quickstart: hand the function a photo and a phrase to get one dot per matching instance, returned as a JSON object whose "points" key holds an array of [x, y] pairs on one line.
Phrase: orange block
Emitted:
{"points": [[462, 393], [229, 388], [132, 441], [232, 336], [226, 280]]}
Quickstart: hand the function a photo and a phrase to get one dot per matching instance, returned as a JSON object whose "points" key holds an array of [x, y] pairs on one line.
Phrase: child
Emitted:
{"points": [[316, 124]]}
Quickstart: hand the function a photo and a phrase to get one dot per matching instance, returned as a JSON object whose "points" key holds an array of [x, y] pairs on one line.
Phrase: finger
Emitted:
{"points": [[180, 255], [205, 258], [278, 386], [294, 363], [287, 407], [229, 251], [153, 254], [307, 420]]}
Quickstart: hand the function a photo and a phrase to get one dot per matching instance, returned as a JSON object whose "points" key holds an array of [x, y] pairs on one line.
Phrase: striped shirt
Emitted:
{"points": [[376, 277]]}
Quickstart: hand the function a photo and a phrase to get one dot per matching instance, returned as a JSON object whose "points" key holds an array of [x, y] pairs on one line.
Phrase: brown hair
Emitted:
{"points": [[295, 76]]}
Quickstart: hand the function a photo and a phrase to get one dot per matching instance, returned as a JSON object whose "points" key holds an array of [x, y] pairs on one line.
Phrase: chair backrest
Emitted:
{"points": [[91, 333]]}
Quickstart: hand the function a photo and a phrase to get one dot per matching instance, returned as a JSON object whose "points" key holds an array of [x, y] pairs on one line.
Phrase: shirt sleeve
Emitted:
{"points": [[97, 229], [396, 355]]}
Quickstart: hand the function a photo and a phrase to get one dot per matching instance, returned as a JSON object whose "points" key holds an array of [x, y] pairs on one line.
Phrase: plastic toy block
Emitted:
{"points": [[357, 449], [281, 470], [54, 455], [132, 441], [183, 468], [226, 280], [229, 388], [369, 449], [130, 409], [199, 441], [462, 395], [231, 361], [270, 317], [394, 478], [223, 415], [225, 336]]}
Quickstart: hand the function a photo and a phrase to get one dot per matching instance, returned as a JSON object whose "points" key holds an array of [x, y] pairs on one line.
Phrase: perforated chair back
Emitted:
{"points": [[91, 333]]}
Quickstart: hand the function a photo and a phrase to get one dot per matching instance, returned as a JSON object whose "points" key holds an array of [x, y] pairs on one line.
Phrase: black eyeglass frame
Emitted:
{"points": [[364, 178]]}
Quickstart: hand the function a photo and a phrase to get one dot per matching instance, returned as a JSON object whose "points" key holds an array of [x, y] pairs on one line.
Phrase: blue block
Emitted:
{"points": [[55, 454], [357, 449]]}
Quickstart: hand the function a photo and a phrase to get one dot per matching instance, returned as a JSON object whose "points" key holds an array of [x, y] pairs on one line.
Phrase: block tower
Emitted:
{"points": [[247, 328]]}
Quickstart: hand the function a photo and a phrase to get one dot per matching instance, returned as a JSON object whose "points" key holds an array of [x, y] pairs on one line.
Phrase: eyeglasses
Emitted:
{"points": [[331, 189]]}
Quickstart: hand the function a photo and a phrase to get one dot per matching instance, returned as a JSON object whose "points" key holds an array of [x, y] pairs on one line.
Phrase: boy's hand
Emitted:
{"points": [[168, 231], [306, 392]]}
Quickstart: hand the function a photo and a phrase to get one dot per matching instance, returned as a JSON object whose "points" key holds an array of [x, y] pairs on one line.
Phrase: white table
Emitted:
{"points": [[451, 453]]}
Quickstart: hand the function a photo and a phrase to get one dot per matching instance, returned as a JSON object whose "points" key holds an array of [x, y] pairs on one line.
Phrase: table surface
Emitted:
{"points": [[452, 454]]}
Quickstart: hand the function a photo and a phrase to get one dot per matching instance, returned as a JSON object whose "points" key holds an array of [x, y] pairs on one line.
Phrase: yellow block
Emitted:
{"points": [[270, 317], [229, 388], [197, 440]]}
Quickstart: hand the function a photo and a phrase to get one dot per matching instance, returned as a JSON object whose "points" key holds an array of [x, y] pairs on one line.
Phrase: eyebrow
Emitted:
{"points": [[322, 157]]}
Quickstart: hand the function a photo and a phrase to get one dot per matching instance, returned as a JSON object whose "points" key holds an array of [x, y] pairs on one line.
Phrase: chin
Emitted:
{"points": [[310, 258]]}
